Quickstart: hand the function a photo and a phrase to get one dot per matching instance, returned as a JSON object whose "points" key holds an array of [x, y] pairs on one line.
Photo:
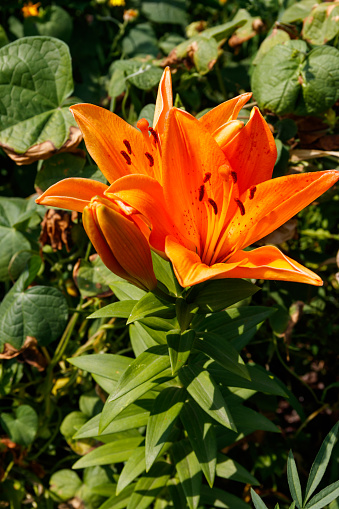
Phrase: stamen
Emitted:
{"points": [[128, 146], [207, 177], [234, 176], [252, 192], [150, 158], [154, 134], [201, 192], [126, 156], [214, 205], [240, 205]]}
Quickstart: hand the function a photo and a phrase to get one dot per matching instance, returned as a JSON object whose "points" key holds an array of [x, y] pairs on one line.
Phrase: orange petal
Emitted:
{"points": [[269, 263], [118, 148], [189, 268], [193, 187], [72, 193], [274, 202], [164, 101], [226, 132], [223, 113], [252, 152]]}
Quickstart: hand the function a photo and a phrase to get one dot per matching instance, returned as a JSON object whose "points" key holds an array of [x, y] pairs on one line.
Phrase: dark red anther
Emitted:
{"points": [[126, 156], [154, 134], [240, 205], [150, 158], [252, 192], [207, 177], [214, 205], [234, 176], [201, 192], [128, 146]]}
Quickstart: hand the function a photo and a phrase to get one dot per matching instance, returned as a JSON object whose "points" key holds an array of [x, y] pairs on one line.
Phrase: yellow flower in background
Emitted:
{"points": [[30, 9], [116, 3]]}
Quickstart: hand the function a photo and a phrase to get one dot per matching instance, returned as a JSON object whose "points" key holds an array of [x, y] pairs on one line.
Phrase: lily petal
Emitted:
{"points": [[223, 113], [269, 263], [72, 193], [164, 101], [118, 148], [253, 151], [189, 268]]}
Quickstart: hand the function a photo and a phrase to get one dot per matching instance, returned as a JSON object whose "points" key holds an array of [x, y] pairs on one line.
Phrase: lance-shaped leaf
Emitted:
{"points": [[133, 467], [150, 363], [321, 461], [34, 122], [179, 348], [217, 295], [166, 409], [114, 452], [216, 497], [293, 481], [230, 469], [189, 471], [140, 339], [203, 389], [120, 309], [148, 486], [258, 503], [104, 364], [151, 305], [223, 353], [324, 497], [201, 434], [119, 501]]}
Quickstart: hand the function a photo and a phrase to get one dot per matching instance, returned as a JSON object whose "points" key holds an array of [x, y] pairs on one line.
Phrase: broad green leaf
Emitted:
{"points": [[117, 83], [321, 25], [113, 452], [119, 501], [133, 467], [275, 37], [216, 497], [11, 242], [219, 294], [179, 348], [104, 364], [324, 497], [293, 481], [189, 471], [164, 413], [149, 364], [230, 469], [201, 435], [150, 305], [33, 114], [220, 350], [53, 21], [113, 408], [298, 11], [93, 277], [206, 393], [321, 461], [167, 11], [39, 311], [64, 484], [140, 339], [147, 112], [257, 502], [22, 426], [141, 43], [149, 485], [205, 54], [223, 31], [120, 309], [3, 37]]}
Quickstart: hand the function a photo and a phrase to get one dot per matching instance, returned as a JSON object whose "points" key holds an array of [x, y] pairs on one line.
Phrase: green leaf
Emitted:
{"points": [[216, 497], [293, 481], [104, 364], [133, 467], [126, 291], [149, 485], [94, 278], [168, 11], [219, 294], [276, 37], [140, 43], [166, 409], [22, 426], [39, 311], [247, 420], [33, 114], [3, 37], [201, 435], [163, 269], [321, 25], [113, 452], [65, 484], [321, 461], [179, 348], [257, 502], [140, 339], [149, 364], [205, 54], [206, 393], [120, 309], [146, 77], [223, 353], [298, 11], [117, 83], [230, 469], [151, 305], [119, 501], [53, 21], [324, 497], [189, 471]]}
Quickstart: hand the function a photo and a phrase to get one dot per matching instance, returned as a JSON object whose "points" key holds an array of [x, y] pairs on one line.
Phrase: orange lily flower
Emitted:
{"points": [[211, 207]]}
